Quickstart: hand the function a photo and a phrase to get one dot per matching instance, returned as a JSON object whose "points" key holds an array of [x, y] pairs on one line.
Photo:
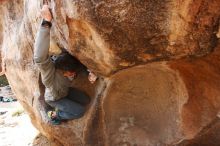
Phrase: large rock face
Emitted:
{"points": [[158, 62]]}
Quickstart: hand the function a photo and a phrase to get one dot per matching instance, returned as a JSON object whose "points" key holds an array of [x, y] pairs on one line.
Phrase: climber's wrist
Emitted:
{"points": [[46, 23]]}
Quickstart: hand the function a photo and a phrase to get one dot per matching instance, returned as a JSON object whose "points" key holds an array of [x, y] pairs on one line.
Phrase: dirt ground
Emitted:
{"points": [[15, 126]]}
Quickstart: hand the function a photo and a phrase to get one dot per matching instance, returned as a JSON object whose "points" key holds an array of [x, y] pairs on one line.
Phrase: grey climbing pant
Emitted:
{"points": [[71, 106]]}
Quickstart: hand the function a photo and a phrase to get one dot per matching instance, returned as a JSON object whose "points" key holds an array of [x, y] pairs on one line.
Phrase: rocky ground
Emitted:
{"points": [[15, 125]]}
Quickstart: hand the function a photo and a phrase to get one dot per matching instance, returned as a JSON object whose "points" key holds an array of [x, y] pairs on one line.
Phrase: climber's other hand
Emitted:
{"points": [[92, 77]]}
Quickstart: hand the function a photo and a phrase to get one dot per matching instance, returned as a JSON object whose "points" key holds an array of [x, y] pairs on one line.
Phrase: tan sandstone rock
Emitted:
{"points": [[158, 62]]}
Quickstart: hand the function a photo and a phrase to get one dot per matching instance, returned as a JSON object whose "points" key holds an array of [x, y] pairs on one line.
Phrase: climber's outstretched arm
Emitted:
{"points": [[41, 51], [42, 42]]}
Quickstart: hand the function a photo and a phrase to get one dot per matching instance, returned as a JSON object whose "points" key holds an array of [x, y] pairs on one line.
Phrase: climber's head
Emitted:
{"points": [[67, 64]]}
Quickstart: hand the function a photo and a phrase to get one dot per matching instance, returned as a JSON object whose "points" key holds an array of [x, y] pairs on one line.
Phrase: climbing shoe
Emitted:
{"points": [[54, 117]]}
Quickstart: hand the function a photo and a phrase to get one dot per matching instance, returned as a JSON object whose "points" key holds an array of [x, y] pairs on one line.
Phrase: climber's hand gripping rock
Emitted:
{"points": [[46, 13]]}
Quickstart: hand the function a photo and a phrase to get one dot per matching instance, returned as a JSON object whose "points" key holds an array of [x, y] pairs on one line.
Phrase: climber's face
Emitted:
{"points": [[69, 74]]}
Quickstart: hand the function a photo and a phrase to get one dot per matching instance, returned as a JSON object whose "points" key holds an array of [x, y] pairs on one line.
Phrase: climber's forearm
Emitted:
{"points": [[42, 45]]}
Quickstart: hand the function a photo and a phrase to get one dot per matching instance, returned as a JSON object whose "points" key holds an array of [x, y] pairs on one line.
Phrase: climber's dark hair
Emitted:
{"points": [[67, 62]]}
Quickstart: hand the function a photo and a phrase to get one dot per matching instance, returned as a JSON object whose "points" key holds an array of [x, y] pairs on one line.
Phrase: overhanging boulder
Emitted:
{"points": [[158, 63]]}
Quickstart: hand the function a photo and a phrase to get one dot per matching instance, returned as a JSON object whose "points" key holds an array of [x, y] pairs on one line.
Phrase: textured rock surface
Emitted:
{"points": [[207, 137], [171, 94], [115, 34]]}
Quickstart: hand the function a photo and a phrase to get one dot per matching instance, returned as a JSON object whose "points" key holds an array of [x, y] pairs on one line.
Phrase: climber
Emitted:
{"points": [[56, 74]]}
